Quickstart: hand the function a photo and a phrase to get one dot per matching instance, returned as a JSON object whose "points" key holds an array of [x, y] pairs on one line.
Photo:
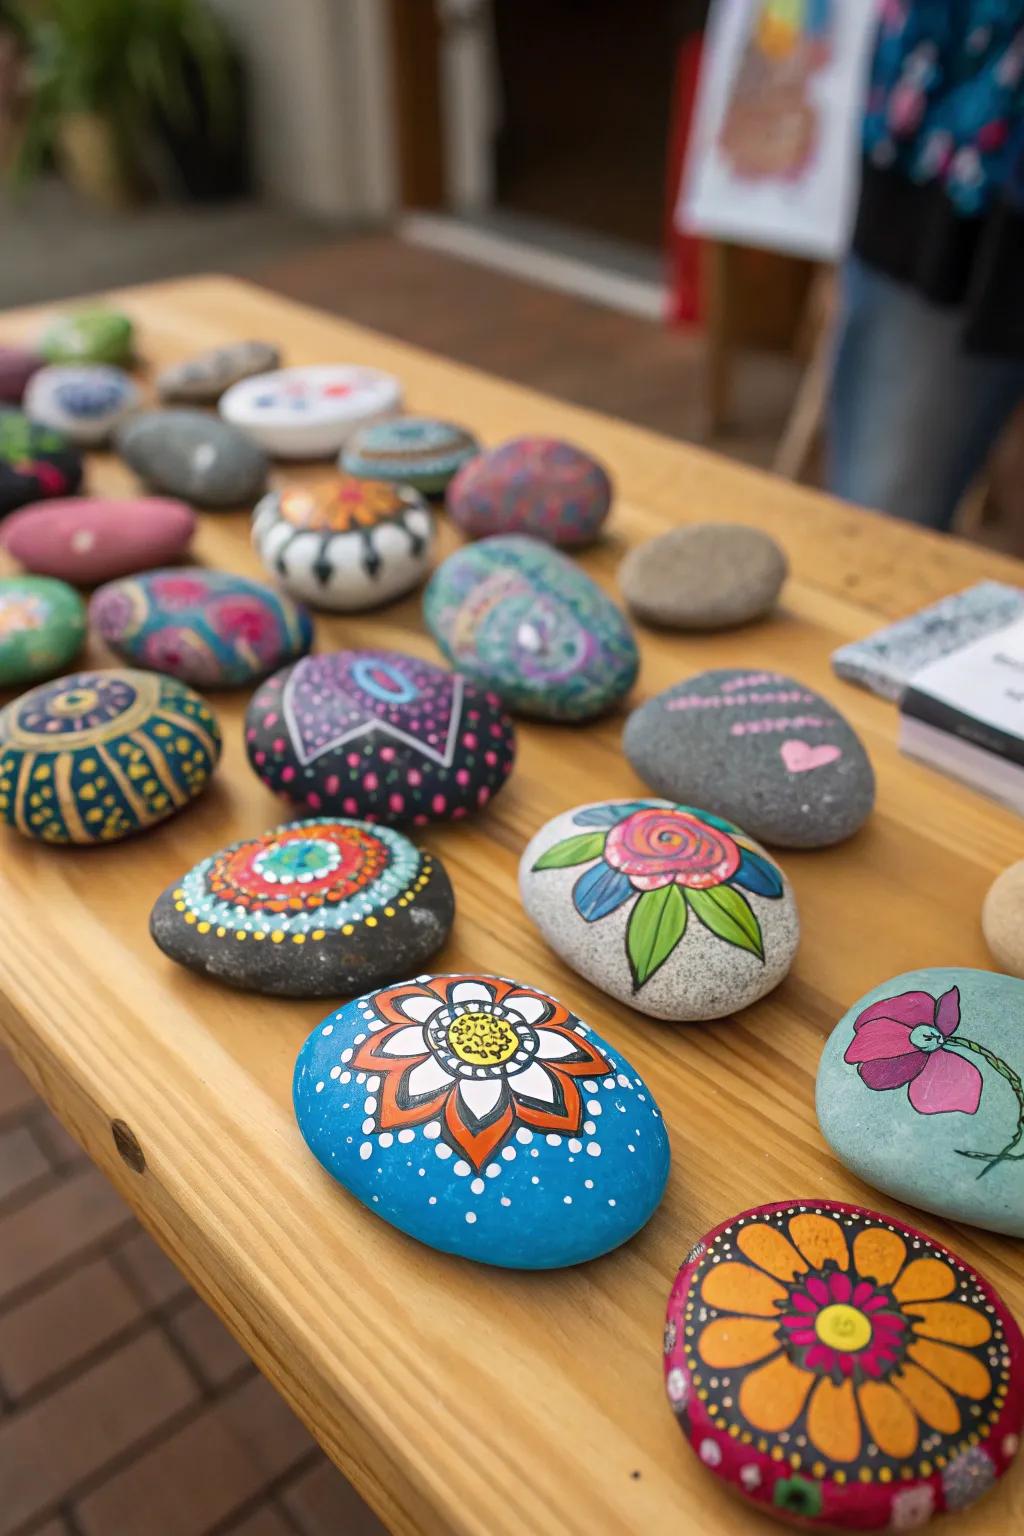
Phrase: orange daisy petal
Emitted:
{"points": [[766, 1247], [878, 1254], [738, 1288], [924, 1280], [819, 1238], [960, 1372], [929, 1399], [951, 1322], [730, 1341], [891, 1422], [772, 1397], [833, 1424]]}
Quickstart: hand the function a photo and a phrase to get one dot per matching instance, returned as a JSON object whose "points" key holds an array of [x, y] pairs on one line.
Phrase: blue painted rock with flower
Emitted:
{"points": [[837, 1368], [483, 1118], [670, 909], [920, 1093], [210, 628], [526, 621], [84, 401]]}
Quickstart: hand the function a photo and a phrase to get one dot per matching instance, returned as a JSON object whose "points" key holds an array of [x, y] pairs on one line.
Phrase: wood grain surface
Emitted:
{"points": [[457, 1398]]}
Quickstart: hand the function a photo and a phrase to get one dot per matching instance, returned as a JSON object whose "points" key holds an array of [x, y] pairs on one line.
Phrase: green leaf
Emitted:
{"points": [[573, 850], [729, 916], [656, 924]]}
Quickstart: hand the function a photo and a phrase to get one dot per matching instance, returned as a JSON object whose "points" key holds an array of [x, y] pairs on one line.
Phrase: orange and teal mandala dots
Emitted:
{"points": [[480, 1116], [96, 756], [315, 908], [838, 1368]]}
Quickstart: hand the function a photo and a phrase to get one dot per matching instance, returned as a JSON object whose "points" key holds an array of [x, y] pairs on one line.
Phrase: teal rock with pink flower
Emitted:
{"points": [[666, 907], [920, 1093]]}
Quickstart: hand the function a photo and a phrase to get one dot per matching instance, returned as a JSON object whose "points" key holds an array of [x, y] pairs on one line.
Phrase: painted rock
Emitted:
{"points": [[759, 747], [42, 626], [919, 1092], [203, 379], [1002, 919], [524, 620], [839, 1369], [704, 576], [667, 908], [378, 734], [309, 413], [85, 401], [17, 365], [194, 456], [311, 909], [89, 336], [483, 1118], [209, 628], [533, 485], [35, 462], [89, 539], [96, 756], [415, 450], [345, 544]]}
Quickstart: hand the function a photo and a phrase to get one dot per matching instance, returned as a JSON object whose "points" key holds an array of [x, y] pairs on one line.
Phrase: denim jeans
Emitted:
{"points": [[912, 416]]}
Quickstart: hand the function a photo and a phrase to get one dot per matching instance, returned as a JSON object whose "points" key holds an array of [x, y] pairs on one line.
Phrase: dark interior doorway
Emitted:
{"points": [[587, 92]]}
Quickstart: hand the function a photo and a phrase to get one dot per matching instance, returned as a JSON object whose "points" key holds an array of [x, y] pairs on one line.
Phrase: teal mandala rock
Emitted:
{"points": [[525, 621], [414, 450], [96, 756]]}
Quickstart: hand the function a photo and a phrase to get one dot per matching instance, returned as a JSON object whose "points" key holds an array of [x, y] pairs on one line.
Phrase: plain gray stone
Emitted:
{"points": [[194, 456], [703, 576], [201, 380]]}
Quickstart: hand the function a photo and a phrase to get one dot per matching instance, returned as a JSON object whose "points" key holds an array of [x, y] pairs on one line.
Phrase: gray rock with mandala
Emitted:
{"points": [[668, 908], [920, 1092]]}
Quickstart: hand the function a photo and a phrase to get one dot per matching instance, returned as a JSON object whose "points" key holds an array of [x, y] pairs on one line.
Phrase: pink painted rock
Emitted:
{"points": [[17, 365], [89, 539]]}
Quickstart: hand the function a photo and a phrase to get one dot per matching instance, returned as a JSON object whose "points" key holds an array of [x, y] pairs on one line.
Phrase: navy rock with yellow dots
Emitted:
{"points": [[96, 756], [316, 908]]}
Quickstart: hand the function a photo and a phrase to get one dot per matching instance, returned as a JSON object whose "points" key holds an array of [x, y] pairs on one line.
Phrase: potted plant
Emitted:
{"points": [[107, 79]]}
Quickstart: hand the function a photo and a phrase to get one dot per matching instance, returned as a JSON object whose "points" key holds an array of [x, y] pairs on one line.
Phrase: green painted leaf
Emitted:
{"points": [[729, 916], [573, 850], [656, 924]]}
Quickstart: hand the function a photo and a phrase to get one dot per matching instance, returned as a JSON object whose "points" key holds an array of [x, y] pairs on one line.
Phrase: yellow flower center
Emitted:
{"points": [[842, 1327], [482, 1039]]}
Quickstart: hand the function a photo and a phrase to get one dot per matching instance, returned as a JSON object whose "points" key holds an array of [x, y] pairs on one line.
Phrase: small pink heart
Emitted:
{"points": [[801, 757]]}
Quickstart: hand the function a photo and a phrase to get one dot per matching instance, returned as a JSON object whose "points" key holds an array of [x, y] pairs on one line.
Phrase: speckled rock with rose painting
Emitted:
{"points": [[84, 401], [920, 1093], [538, 486], [96, 756], [209, 628], [526, 621], [667, 908], [317, 908], [420, 451], [193, 455], [760, 748], [91, 335], [482, 1117], [35, 462], [345, 544], [839, 1369], [379, 735], [42, 626]]}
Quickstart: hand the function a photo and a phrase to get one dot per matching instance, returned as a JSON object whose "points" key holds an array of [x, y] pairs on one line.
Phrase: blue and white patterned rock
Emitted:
{"points": [[481, 1117], [85, 402], [413, 450], [524, 620], [309, 413]]}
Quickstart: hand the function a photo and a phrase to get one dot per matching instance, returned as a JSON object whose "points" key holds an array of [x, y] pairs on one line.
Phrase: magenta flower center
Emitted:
{"points": [[659, 847], [843, 1328]]}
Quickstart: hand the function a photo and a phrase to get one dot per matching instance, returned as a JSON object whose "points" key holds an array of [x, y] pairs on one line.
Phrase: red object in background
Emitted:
{"points": [[683, 251]]}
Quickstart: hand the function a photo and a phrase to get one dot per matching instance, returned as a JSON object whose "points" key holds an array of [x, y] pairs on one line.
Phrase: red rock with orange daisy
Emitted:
{"points": [[839, 1368]]}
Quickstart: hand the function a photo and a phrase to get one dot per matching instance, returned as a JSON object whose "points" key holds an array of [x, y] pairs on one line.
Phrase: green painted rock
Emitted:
{"points": [[89, 336], [919, 1092], [42, 626]]}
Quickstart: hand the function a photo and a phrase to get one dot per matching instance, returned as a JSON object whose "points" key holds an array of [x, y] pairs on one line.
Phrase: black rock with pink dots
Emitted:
{"points": [[379, 735]]}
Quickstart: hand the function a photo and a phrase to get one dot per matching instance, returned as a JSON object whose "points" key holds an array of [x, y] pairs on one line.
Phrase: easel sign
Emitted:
{"points": [[774, 150]]}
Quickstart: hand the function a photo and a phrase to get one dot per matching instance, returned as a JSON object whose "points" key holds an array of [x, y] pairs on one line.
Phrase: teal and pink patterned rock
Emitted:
{"points": [[378, 735], [525, 621], [533, 485], [209, 628]]}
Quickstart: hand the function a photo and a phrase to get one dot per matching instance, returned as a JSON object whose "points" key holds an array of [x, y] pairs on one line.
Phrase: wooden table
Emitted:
{"points": [[457, 1398]]}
